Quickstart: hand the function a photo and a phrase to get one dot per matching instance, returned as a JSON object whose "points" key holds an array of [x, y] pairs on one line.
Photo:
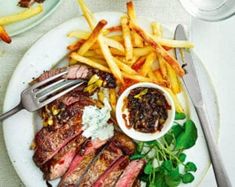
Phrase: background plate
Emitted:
{"points": [[19, 130], [8, 7]]}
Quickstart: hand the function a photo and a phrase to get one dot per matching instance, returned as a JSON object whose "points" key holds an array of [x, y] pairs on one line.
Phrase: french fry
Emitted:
{"points": [[79, 34], [28, 13], [147, 66], [124, 67], [113, 29], [138, 78], [89, 62], [173, 79], [76, 45], [4, 35], [156, 29], [162, 65], [153, 77], [131, 10], [87, 14], [173, 43], [114, 44], [142, 51], [92, 53], [136, 39], [72, 61], [118, 38], [127, 38], [139, 63], [100, 61], [92, 38], [109, 59], [113, 98], [178, 106], [158, 48], [159, 77], [117, 52]]}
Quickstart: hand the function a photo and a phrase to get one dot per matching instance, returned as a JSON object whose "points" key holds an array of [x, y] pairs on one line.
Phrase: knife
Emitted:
{"points": [[192, 85]]}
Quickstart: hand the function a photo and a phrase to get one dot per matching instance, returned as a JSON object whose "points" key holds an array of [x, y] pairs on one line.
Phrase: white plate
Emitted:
{"points": [[8, 7], [19, 130]]}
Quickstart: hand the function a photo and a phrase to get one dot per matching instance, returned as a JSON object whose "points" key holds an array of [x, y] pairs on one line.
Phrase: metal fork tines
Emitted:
{"points": [[44, 92]]}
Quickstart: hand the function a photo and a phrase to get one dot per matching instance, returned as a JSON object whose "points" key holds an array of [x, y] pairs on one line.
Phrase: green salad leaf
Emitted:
{"points": [[188, 137]]}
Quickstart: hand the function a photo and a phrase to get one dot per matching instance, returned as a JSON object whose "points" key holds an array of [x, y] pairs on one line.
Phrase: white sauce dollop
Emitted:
{"points": [[95, 122]]}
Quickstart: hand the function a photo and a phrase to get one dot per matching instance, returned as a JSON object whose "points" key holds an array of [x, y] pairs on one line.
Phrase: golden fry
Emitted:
{"points": [[87, 14], [127, 38], [148, 64], [4, 35], [162, 65], [89, 62], [156, 28], [173, 43], [173, 79], [76, 45], [28, 13], [178, 106], [114, 44], [138, 78], [92, 38], [131, 10], [124, 67], [79, 34], [142, 51], [109, 59], [137, 40], [159, 49]]}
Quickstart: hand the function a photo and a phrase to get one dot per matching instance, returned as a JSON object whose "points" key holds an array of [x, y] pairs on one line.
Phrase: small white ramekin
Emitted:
{"points": [[131, 132]]}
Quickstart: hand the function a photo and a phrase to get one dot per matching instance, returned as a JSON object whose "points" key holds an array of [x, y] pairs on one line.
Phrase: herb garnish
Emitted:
{"points": [[165, 158]]}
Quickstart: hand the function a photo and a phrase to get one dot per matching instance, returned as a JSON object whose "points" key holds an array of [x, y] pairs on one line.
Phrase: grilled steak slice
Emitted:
{"points": [[105, 160], [68, 110], [58, 165], [111, 175], [80, 163], [124, 143], [130, 174], [48, 143]]}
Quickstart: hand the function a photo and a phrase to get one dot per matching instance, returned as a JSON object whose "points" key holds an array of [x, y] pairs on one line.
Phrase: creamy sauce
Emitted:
{"points": [[95, 122]]}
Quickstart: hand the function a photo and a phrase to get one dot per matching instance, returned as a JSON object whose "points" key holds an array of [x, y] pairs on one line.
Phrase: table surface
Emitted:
{"points": [[215, 44]]}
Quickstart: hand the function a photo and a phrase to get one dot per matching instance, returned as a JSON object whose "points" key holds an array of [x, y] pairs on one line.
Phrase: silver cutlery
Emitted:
{"points": [[42, 93], [192, 85]]}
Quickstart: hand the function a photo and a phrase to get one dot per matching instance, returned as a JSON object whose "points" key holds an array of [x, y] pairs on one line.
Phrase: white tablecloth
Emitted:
{"points": [[165, 11]]}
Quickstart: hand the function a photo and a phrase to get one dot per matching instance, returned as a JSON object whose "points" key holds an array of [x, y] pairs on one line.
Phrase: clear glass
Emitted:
{"points": [[210, 10]]}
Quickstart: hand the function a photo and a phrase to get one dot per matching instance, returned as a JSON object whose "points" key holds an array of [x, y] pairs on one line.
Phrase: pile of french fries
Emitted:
{"points": [[128, 52], [6, 20]]}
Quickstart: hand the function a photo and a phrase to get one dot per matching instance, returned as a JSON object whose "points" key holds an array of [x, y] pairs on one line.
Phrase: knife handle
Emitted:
{"points": [[221, 175]]}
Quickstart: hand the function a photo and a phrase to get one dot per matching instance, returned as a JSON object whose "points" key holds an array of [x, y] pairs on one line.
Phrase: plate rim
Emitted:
{"points": [[37, 22], [61, 25]]}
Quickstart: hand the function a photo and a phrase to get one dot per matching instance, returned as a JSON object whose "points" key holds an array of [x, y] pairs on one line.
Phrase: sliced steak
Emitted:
{"points": [[130, 174], [105, 160], [80, 163], [58, 165], [124, 143], [78, 72], [111, 175], [48, 143]]}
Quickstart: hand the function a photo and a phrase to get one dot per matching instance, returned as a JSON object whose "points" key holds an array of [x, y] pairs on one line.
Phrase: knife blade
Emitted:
{"points": [[190, 78], [192, 85]]}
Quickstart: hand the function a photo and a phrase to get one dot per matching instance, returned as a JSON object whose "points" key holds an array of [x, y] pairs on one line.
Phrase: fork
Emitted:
{"points": [[43, 93]]}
